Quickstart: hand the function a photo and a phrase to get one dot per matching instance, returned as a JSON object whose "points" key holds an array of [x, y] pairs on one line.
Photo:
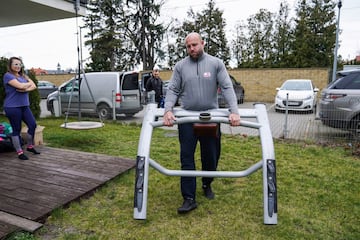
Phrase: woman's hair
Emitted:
{"points": [[11, 60]]}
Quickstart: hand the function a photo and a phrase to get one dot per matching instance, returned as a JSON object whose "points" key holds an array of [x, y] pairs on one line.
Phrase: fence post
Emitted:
{"points": [[114, 104], [286, 117]]}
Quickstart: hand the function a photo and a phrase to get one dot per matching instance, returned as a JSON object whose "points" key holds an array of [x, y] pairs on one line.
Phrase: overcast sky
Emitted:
{"points": [[46, 44]]}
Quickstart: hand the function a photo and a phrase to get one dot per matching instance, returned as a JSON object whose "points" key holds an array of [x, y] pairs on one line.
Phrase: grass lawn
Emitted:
{"points": [[318, 191]]}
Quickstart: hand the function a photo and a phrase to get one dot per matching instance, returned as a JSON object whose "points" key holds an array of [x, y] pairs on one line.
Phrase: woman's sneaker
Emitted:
{"points": [[22, 156], [33, 150]]}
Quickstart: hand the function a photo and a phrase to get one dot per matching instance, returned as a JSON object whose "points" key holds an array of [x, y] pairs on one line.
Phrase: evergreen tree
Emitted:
{"points": [[144, 31], [301, 34], [323, 28], [103, 34], [315, 33], [34, 97], [212, 28], [283, 36], [173, 48], [268, 41], [210, 24], [3, 69], [260, 28], [240, 46], [124, 34], [178, 32]]}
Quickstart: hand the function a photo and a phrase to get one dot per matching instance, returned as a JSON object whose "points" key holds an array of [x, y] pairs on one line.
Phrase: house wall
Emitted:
{"points": [[259, 84]]}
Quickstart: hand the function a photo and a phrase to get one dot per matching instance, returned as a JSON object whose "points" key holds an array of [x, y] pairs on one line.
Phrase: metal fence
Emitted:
{"points": [[298, 126], [302, 126]]}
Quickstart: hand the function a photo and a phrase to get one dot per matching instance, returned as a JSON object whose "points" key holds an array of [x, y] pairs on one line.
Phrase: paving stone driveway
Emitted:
{"points": [[294, 125]]}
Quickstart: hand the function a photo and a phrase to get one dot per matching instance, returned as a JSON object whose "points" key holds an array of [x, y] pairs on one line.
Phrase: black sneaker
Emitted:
{"points": [[32, 150], [209, 194], [23, 157], [188, 205]]}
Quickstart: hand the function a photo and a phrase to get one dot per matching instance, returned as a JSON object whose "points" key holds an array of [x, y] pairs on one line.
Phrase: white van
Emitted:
{"points": [[99, 92]]}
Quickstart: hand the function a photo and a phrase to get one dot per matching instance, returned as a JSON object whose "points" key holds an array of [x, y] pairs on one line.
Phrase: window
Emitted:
{"points": [[351, 81], [131, 82]]}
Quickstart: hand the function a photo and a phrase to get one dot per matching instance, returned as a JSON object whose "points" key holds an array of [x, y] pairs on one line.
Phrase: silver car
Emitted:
{"points": [[340, 103], [103, 93], [45, 88], [165, 87]]}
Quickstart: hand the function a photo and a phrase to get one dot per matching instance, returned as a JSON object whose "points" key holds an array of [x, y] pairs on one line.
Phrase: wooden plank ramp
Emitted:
{"points": [[30, 190]]}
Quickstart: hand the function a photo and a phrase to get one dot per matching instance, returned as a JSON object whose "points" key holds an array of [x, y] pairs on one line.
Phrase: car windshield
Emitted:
{"points": [[333, 83], [296, 86], [68, 86]]}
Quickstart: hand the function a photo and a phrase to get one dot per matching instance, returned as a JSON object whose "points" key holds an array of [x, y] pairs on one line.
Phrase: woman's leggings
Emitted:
{"points": [[16, 115]]}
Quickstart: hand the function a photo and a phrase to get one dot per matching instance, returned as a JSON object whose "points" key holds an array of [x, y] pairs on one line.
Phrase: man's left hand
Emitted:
{"points": [[234, 119]]}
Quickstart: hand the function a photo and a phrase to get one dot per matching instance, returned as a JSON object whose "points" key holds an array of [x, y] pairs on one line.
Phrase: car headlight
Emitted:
{"points": [[308, 97]]}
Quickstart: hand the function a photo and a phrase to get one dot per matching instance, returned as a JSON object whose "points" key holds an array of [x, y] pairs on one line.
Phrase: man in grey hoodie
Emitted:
{"points": [[196, 79]]}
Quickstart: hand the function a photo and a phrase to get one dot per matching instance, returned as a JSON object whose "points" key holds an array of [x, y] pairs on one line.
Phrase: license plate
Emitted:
{"points": [[292, 103], [130, 97]]}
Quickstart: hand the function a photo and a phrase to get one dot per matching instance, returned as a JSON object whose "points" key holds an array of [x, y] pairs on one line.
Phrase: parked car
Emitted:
{"points": [[340, 103], [296, 95], [100, 92], [45, 88], [344, 73], [165, 87], [239, 92]]}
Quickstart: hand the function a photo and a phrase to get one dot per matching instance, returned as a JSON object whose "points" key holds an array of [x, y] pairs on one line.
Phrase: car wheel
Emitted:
{"points": [[241, 100], [104, 111], [355, 126]]}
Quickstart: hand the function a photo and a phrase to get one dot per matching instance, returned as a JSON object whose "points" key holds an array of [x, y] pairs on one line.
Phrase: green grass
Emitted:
{"points": [[318, 191]]}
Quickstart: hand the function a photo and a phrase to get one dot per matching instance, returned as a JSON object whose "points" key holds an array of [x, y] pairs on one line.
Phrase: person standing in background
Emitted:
{"points": [[155, 84], [17, 105]]}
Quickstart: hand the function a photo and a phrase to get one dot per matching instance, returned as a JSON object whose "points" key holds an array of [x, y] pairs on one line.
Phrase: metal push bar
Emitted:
{"points": [[267, 163]]}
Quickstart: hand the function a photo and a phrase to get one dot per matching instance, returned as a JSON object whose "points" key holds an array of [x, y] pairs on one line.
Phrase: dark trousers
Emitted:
{"points": [[210, 152], [18, 114]]}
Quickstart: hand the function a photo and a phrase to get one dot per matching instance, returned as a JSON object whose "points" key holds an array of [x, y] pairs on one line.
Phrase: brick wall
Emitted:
{"points": [[259, 84]]}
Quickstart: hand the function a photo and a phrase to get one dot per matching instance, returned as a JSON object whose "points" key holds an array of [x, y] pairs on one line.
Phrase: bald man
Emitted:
{"points": [[196, 79]]}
